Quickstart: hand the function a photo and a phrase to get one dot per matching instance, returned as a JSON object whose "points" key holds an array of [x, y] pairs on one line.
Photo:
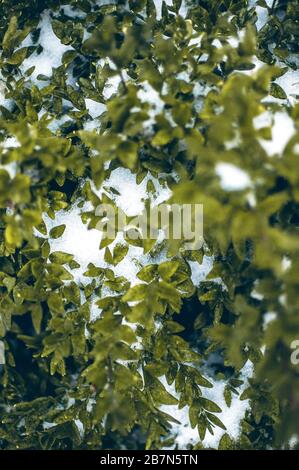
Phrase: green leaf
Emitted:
{"points": [[277, 91], [209, 405], [168, 269], [57, 232]]}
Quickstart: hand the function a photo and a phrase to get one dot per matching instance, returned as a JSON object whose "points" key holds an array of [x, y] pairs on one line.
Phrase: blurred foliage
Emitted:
{"points": [[60, 368]]}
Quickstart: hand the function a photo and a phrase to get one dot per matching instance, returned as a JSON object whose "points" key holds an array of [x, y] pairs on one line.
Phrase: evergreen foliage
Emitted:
{"points": [[60, 367]]}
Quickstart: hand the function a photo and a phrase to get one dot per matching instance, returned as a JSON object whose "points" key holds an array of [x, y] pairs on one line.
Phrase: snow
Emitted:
{"points": [[56, 124], [234, 142], [111, 86], [11, 168], [268, 318], [286, 263], [230, 416], [91, 125], [132, 195], [72, 12], [200, 91], [231, 177], [158, 4], [147, 94], [84, 244], [290, 84], [258, 64], [200, 271], [94, 108], [48, 425], [262, 17], [80, 426], [52, 52], [10, 142], [262, 120], [262, 13], [104, 2], [294, 441], [76, 239], [7, 103], [282, 131]]}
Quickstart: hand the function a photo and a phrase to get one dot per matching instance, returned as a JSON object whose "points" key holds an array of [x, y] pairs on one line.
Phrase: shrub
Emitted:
{"points": [[191, 98]]}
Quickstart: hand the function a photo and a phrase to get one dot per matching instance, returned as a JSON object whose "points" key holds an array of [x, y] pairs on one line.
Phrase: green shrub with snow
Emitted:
{"points": [[121, 343]]}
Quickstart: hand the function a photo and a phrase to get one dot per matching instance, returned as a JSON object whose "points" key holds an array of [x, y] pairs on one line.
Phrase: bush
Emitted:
{"points": [[195, 99]]}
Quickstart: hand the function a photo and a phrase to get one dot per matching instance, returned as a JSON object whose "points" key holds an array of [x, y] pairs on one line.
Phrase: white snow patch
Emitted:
{"points": [[52, 52], [158, 4], [258, 64], [262, 120], [200, 91], [262, 17], [55, 124], [72, 12], [234, 142], [200, 271], [91, 125], [147, 94], [232, 178], [11, 168], [76, 240], [256, 295], [132, 195], [286, 263], [290, 84], [282, 131], [230, 416], [84, 244], [94, 108], [47, 425], [111, 86], [7, 103], [268, 318], [294, 441], [10, 142], [80, 426]]}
